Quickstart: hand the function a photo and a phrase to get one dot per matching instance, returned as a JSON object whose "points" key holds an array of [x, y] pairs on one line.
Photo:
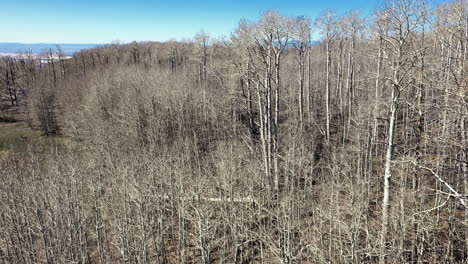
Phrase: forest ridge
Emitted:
{"points": [[265, 147]]}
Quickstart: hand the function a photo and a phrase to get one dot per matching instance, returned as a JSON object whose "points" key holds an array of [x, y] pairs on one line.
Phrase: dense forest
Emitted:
{"points": [[264, 147]]}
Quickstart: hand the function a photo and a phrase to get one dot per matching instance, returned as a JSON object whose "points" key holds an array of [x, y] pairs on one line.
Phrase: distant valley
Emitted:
{"points": [[38, 48]]}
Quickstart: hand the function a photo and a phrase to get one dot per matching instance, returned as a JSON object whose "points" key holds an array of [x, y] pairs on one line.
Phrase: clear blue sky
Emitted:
{"points": [[102, 21]]}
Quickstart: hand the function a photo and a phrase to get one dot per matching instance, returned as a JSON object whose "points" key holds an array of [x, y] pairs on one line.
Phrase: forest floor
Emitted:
{"points": [[15, 133], [16, 136]]}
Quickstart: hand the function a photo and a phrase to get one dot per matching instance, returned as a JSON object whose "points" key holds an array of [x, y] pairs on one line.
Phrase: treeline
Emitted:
{"points": [[266, 147]]}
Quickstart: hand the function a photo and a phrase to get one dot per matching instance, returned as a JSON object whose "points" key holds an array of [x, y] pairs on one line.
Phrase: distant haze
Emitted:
{"points": [[38, 48]]}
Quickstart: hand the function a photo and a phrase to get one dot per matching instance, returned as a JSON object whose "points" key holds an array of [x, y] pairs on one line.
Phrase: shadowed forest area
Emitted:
{"points": [[264, 147]]}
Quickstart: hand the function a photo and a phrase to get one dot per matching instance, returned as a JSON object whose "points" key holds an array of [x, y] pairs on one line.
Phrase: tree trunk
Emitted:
{"points": [[387, 176], [327, 92]]}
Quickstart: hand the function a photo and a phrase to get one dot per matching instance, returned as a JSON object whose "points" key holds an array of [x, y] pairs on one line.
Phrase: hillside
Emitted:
{"points": [[261, 148]]}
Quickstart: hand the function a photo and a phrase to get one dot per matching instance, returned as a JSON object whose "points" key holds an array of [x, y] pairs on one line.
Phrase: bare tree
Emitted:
{"points": [[302, 44], [403, 19], [327, 25]]}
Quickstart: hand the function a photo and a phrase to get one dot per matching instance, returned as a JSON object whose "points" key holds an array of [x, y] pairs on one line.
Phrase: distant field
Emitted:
{"points": [[38, 48]]}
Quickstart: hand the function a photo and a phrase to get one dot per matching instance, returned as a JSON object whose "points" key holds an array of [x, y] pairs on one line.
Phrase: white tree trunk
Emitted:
{"points": [[388, 174]]}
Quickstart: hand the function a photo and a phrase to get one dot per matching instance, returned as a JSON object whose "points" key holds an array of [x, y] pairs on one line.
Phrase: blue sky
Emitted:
{"points": [[103, 21]]}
